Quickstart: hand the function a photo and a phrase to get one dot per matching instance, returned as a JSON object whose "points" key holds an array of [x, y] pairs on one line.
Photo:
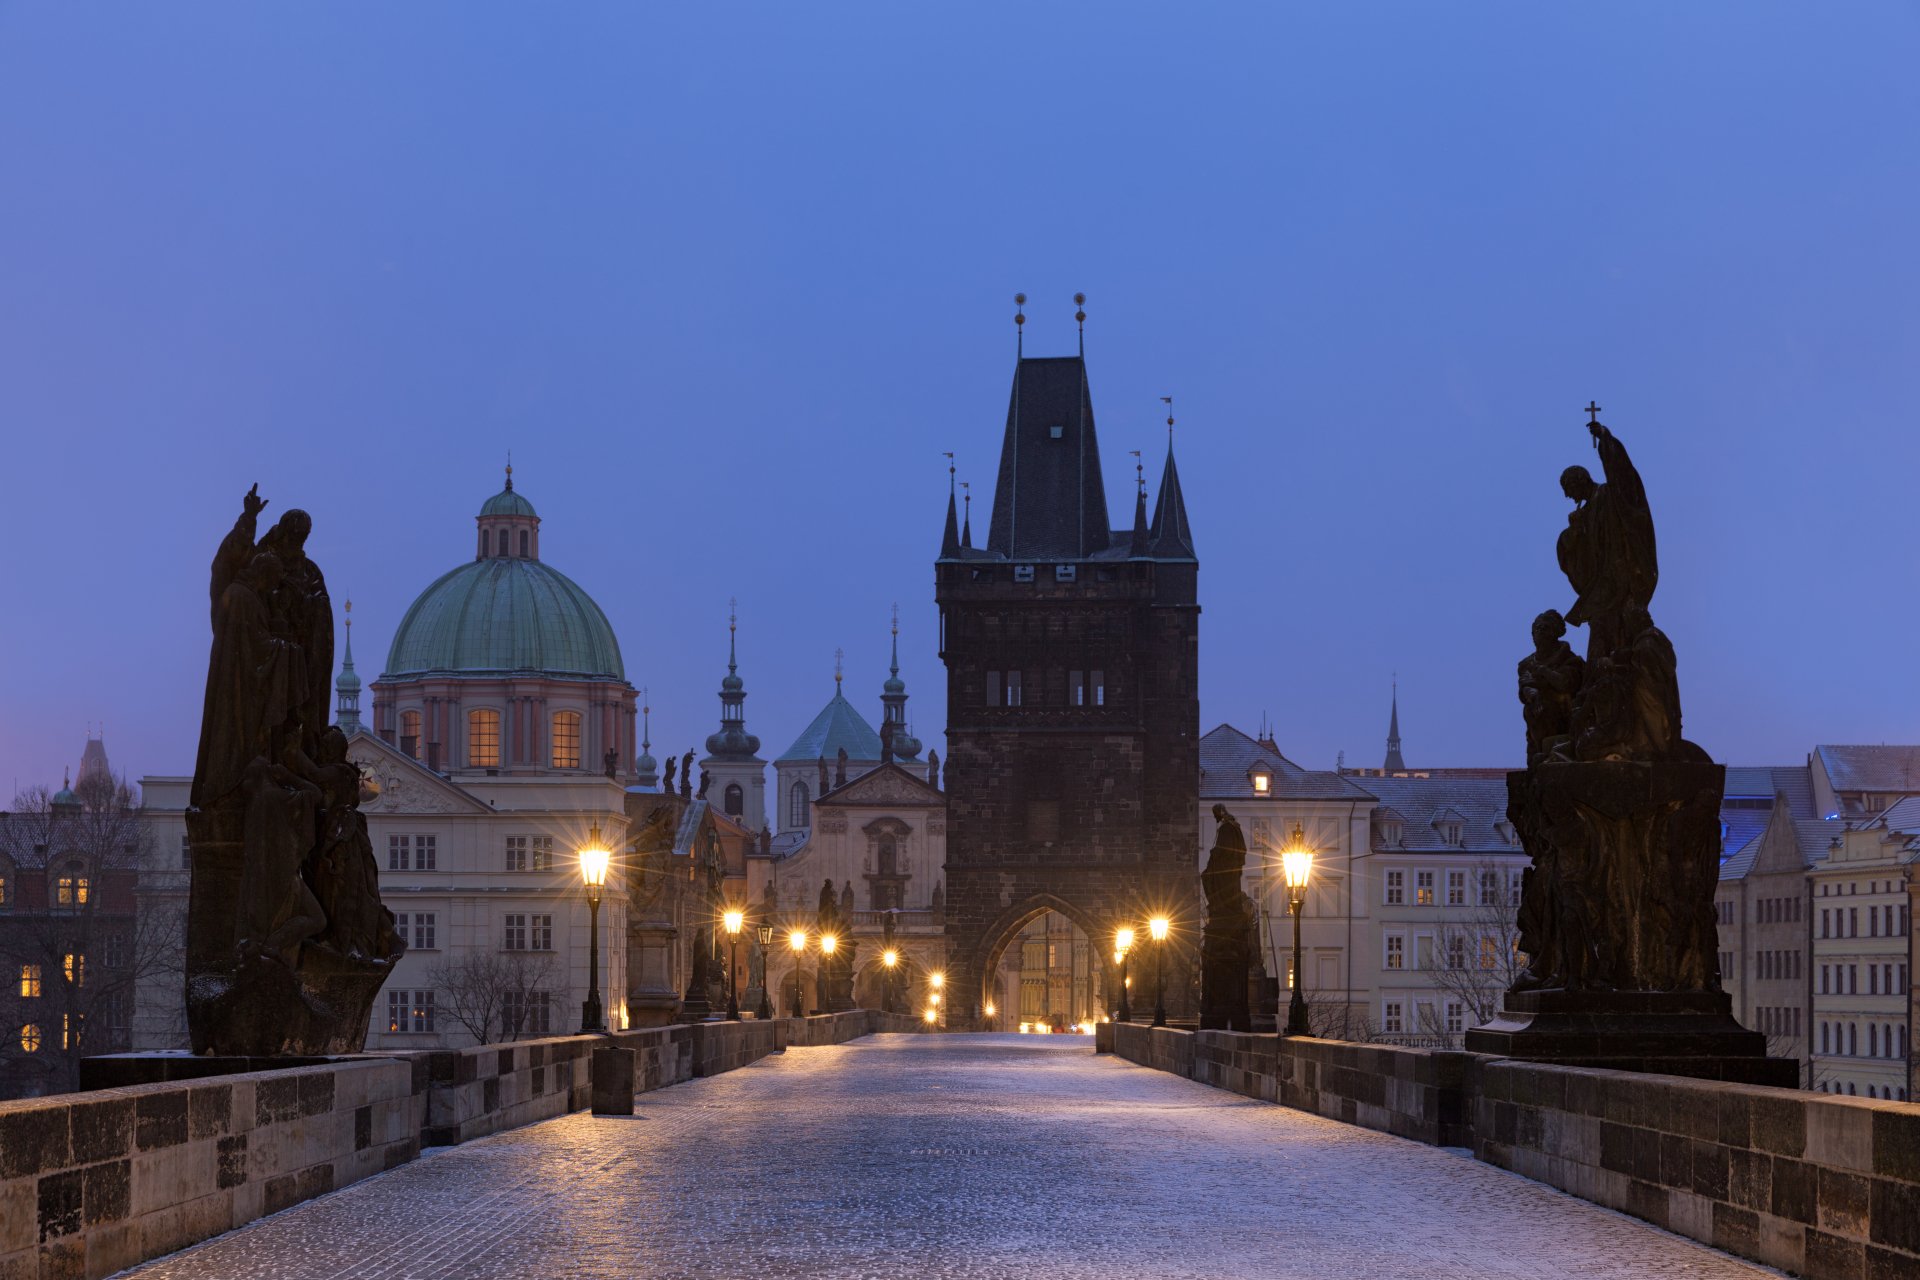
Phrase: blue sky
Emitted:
{"points": [[728, 280]]}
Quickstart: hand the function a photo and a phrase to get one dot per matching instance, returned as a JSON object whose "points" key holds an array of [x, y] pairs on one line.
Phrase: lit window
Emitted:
{"points": [[483, 739], [1489, 951], [30, 1038], [566, 740], [70, 1028], [29, 981], [1262, 780], [3, 891], [71, 888], [1423, 889], [410, 1011], [74, 964]]}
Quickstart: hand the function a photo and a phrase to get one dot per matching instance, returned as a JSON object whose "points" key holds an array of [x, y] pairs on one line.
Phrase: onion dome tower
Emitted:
{"points": [[893, 700], [506, 666], [646, 770], [737, 776]]}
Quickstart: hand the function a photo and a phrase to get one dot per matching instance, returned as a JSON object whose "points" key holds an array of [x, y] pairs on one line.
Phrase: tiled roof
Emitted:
{"points": [[1227, 757], [1048, 500], [838, 725], [1421, 802], [1903, 816], [1881, 768], [1813, 835], [1736, 865]]}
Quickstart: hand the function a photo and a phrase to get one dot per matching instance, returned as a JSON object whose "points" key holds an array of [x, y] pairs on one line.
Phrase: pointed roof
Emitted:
{"points": [[1172, 537], [1141, 544], [1394, 764], [950, 538], [887, 785], [838, 725], [1048, 500]]}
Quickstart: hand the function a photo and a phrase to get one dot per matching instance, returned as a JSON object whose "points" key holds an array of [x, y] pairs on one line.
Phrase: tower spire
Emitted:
{"points": [[1019, 325], [1080, 319], [1140, 545], [950, 537], [1172, 537], [966, 522], [732, 742], [645, 769], [347, 687], [1394, 763], [893, 701]]}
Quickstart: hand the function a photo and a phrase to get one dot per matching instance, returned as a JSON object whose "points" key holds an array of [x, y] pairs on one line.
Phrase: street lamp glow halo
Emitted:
{"points": [[828, 942], [1297, 866], [1123, 940], [732, 920], [1157, 928], [594, 857], [797, 939]]}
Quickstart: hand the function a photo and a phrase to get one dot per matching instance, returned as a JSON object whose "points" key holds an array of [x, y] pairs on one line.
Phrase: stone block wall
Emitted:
{"points": [[1813, 1183], [91, 1183], [1819, 1185]]}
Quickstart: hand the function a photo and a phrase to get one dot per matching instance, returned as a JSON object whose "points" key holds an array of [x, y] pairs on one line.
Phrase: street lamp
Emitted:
{"points": [[594, 857], [825, 979], [797, 940], [1297, 865], [891, 959], [1157, 929], [732, 920], [1122, 944], [765, 934]]}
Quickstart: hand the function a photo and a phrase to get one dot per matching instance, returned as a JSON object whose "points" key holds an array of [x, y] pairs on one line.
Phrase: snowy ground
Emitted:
{"points": [[949, 1156]]}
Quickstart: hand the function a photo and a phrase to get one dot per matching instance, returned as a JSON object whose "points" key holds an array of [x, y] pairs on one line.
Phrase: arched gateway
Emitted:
{"points": [[1072, 652]]}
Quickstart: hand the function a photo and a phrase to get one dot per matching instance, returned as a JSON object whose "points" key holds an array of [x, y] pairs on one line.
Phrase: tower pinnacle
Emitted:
{"points": [[1394, 763], [347, 687]]}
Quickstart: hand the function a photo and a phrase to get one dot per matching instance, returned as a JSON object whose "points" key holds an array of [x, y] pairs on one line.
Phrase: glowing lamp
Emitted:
{"points": [[797, 940], [731, 921], [1157, 928], [827, 943]]}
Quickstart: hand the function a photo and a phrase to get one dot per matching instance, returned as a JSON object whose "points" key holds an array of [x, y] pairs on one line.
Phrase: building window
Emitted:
{"points": [[412, 853], [798, 798], [540, 933], [410, 1011], [1489, 888], [1076, 688], [1396, 888], [516, 853], [74, 966], [1391, 1018], [516, 934], [422, 923], [186, 854], [1262, 782], [483, 739], [1490, 951], [29, 981], [426, 853], [1013, 689], [71, 1026], [1456, 888], [736, 800], [526, 1013], [30, 1038], [1396, 956], [566, 739], [410, 733], [996, 690], [524, 542], [1456, 1017], [1514, 882], [1456, 951], [1423, 888], [1450, 833], [71, 889]]}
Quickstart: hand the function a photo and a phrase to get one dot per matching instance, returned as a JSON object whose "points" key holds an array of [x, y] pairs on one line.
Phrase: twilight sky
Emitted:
{"points": [[728, 280]]}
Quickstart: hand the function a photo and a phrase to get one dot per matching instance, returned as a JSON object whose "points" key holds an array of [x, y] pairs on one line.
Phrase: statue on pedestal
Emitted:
{"points": [[1620, 816], [287, 941], [1224, 960]]}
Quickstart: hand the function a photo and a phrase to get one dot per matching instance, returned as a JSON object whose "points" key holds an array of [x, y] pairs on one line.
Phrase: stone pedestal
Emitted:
{"points": [[1679, 1033], [613, 1072]]}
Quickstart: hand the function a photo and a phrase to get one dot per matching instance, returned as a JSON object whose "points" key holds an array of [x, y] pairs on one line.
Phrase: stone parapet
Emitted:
{"points": [[92, 1183], [1819, 1185]]}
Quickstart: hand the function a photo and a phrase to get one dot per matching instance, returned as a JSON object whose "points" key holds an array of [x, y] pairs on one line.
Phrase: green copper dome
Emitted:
{"points": [[507, 503], [505, 614]]}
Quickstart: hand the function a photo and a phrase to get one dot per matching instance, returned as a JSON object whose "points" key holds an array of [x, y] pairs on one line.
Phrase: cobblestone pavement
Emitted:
{"points": [[949, 1156]]}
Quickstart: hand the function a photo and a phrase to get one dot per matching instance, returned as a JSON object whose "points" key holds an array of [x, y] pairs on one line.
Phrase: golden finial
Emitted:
{"points": [[896, 617], [839, 656], [1019, 323], [1168, 401]]}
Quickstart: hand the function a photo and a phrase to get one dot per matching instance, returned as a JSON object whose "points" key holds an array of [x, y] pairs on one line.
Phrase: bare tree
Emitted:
{"points": [[498, 996], [1335, 1019], [72, 943], [1476, 955]]}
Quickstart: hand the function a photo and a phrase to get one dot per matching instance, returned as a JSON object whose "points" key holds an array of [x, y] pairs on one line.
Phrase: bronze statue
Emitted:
{"points": [[1224, 962], [287, 941]]}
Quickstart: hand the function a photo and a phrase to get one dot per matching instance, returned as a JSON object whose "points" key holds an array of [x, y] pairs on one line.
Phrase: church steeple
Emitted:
{"points": [[1142, 536], [347, 687], [893, 700], [950, 539], [646, 768], [1394, 763], [732, 742]]}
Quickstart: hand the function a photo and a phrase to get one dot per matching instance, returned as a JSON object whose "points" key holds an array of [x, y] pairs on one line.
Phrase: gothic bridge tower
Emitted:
{"points": [[1073, 713]]}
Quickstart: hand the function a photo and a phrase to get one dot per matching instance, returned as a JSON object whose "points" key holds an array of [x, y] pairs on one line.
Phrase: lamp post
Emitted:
{"points": [[936, 980], [1122, 944], [890, 958], [797, 943], [732, 920], [1297, 865], [1157, 929], [593, 873], [765, 934], [828, 945]]}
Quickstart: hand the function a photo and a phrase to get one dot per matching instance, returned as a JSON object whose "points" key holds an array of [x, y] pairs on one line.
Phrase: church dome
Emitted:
{"points": [[505, 614], [506, 610]]}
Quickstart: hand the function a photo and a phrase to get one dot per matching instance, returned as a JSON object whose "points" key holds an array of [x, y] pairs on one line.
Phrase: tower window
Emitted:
{"points": [[1013, 688], [525, 539], [1065, 572], [798, 799], [566, 739], [483, 739], [1023, 573], [503, 542], [410, 733], [1057, 432], [736, 800]]}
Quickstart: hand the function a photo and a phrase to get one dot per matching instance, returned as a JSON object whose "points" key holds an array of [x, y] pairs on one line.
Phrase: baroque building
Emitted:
{"points": [[1072, 655]]}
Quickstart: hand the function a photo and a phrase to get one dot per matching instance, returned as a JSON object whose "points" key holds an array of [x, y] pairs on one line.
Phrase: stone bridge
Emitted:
{"points": [[959, 1155]]}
